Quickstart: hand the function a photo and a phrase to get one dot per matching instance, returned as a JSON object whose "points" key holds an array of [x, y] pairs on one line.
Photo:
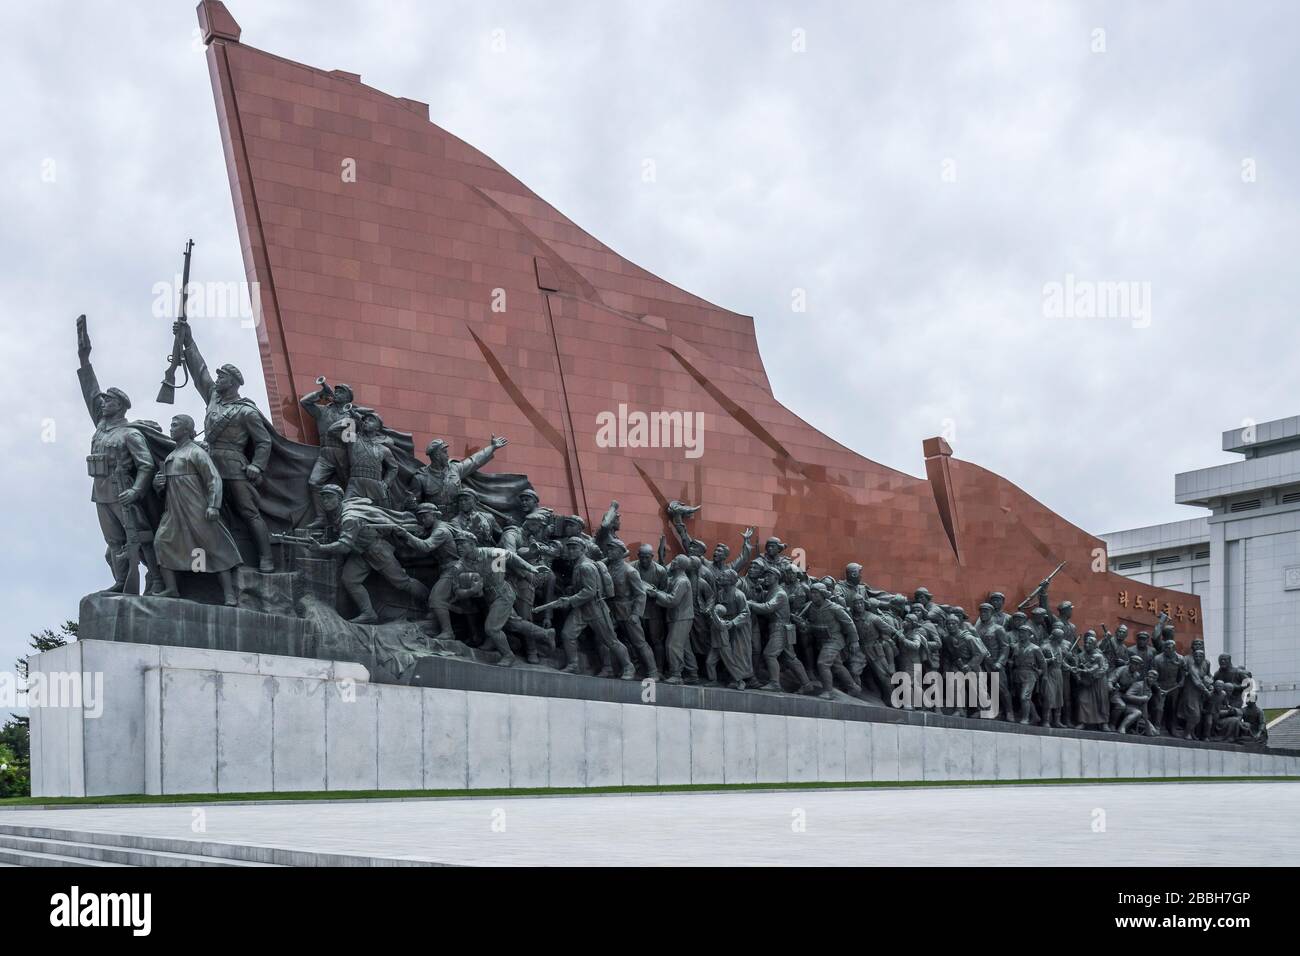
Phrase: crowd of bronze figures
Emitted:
{"points": [[492, 567]]}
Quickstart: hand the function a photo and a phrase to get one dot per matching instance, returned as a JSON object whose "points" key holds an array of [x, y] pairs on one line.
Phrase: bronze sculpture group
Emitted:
{"points": [[489, 566]]}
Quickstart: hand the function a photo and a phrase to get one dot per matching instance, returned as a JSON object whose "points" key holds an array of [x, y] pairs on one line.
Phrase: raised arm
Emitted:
{"points": [[198, 368], [311, 400], [746, 551], [86, 371], [474, 462]]}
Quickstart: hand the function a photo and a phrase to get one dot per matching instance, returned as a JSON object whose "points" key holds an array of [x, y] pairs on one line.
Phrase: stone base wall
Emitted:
{"points": [[184, 720]]}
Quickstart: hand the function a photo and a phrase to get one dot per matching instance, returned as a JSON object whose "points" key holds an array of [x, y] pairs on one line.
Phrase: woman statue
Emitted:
{"points": [[190, 536]]}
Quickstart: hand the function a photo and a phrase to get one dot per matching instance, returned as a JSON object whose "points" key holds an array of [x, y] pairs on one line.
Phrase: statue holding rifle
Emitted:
{"points": [[238, 439], [1039, 593]]}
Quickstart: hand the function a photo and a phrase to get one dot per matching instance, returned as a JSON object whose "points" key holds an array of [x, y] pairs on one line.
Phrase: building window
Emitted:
{"points": [[1250, 505]]}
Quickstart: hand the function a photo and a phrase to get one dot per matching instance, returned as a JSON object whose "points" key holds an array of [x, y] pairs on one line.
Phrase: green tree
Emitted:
{"points": [[47, 640], [15, 774], [15, 735]]}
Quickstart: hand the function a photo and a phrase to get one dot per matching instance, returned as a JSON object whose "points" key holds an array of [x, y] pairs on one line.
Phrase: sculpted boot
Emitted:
{"points": [[648, 659], [498, 642], [262, 536], [629, 669], [570, 655], [228, 592], [606, 667], [362, 601], [442, 622]]}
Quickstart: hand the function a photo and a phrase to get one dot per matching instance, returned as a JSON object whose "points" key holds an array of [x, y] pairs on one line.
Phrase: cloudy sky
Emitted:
{"points": [[921, 170]]}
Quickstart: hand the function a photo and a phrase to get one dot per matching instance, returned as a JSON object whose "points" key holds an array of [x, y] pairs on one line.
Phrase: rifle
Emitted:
{"points": [[548, 606], [167, 391], [284, 537], [1047, 580]]}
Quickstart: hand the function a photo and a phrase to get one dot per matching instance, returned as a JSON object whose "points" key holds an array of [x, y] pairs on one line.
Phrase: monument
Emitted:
{"points": [[345, 615]]}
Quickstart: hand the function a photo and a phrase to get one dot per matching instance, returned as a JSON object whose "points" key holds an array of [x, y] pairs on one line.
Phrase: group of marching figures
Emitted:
{"points": [[522, 579]]}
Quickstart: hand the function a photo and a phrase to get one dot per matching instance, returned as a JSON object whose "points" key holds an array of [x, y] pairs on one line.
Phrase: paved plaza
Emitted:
{"points": [[1159, 824]]}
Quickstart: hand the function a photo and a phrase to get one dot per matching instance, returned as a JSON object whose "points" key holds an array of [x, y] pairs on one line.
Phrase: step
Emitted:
{"points": [[235, 852], [26, 858], [124, 856]]}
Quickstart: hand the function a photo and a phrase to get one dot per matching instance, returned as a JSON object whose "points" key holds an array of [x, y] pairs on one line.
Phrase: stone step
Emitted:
{"points": [[28, 858], [110, 855], [221, 854]]}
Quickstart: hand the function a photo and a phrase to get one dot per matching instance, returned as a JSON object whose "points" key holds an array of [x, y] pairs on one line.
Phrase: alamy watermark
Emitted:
{"points": [[657, 429], [1088, 299], [209, 300], [948, 690], [81, 690]]}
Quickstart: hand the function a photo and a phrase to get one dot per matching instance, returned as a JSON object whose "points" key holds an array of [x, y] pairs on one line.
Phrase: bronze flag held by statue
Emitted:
{"points": [[167, 391]]}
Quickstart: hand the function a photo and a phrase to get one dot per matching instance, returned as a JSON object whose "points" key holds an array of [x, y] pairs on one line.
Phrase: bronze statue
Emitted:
{"points": [[480, 574], [833, 629], [779, 647], [190, 535], [1196, 691], [997, 643], [468, 517], [1136, 698], [587, 607], [679, 601], [331, 466], [1164, 705], [628, 605], [364, 542], [121, 466], [442, 477], [238, 440], [1028, 665], [1093, 699], [371, 464], [729, 634]]}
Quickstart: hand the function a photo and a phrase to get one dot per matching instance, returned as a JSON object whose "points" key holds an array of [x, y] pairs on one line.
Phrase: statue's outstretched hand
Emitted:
{"points": [[499, 442], [83, 339]]}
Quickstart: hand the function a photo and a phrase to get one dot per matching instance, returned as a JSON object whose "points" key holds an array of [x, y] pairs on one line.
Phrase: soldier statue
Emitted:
{"points": [[331, 466], [995, 639], [371, 464], [679, 601], [121, 466], [628, 604], [238, 440], [833, 630], [1163, 708], [586, 605], [365, 548], [483, 573], [441, 478]]}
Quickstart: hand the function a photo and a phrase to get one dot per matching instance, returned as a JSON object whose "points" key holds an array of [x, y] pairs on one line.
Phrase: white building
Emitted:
{"points": [[1242, 559]]}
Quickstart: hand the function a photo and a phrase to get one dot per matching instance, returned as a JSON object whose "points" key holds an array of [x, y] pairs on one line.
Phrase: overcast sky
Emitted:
{"points": [[921, 170]]}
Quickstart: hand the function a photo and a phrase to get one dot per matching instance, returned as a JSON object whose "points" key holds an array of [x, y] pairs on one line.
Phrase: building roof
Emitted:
{"points": [[1157, 537]]}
